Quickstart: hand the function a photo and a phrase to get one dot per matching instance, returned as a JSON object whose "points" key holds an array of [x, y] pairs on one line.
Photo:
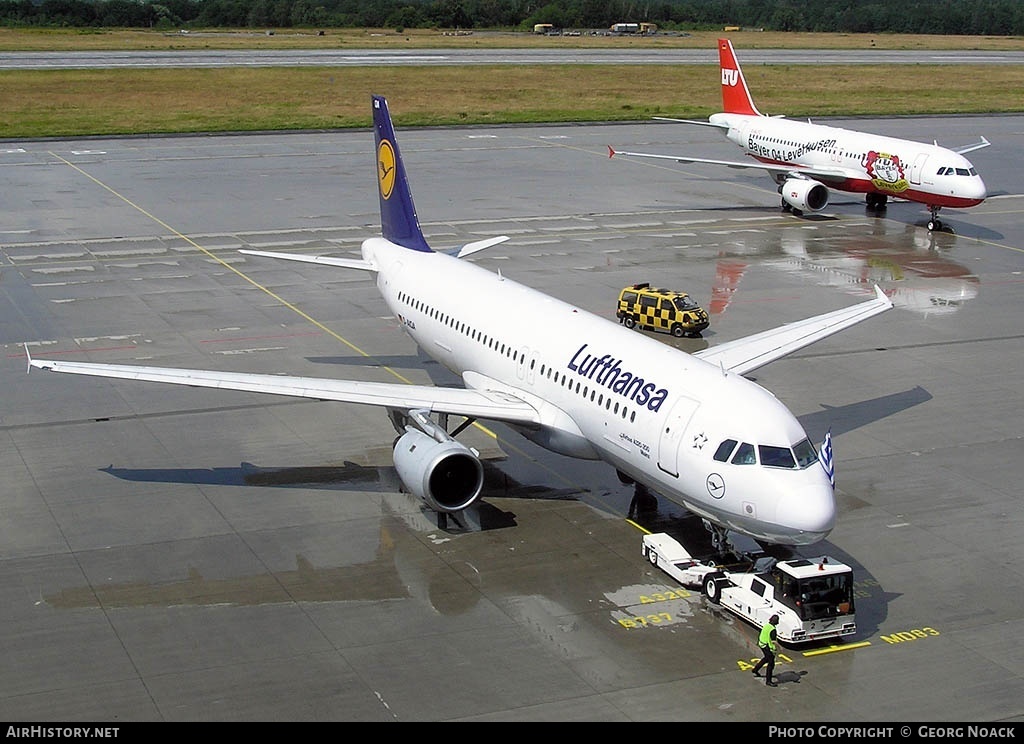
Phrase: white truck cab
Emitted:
{"points": [[812, 597]]}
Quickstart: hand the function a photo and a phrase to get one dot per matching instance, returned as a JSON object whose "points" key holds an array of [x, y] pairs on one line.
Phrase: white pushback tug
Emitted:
{"points": [[812, 597]]}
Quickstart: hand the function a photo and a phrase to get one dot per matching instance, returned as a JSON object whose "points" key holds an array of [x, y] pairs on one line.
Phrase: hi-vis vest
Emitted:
{"points": [[766, 639]]}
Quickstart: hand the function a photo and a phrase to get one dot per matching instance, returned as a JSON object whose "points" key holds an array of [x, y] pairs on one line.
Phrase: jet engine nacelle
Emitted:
{"points": [[443, 472], [804, 194]]}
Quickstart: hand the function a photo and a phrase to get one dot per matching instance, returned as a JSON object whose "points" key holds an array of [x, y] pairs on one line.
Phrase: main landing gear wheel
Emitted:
{"points": [[876, 201], [643, 501]]}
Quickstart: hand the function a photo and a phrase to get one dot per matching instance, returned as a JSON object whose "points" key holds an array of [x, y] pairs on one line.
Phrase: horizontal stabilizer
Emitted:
{"points": [[480, 245], [345, 263], [716, 125]]}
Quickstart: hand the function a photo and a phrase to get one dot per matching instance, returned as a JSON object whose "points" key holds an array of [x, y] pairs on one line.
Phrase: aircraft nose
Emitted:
{"points": [[810, 511], [981, 192]]}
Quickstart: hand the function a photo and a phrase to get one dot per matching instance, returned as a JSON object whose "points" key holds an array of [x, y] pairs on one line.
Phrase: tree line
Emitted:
{"points": [[971, 17]]}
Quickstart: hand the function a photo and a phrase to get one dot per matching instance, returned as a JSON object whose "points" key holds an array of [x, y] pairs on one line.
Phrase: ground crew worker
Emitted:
{"points": [[766, 641]]}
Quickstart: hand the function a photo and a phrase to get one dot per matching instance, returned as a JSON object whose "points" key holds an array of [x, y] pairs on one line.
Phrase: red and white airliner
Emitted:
{"points": [[806, 159]]}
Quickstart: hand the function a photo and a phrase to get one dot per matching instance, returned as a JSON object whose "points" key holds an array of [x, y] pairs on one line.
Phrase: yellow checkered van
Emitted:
{"points": [[649, 308]]}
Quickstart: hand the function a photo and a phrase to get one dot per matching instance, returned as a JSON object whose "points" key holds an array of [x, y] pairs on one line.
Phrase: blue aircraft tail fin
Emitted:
{"points": [[398, 220]]}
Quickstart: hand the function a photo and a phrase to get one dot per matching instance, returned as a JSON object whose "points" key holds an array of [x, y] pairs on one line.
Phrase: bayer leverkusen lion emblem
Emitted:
{"points": [[885, 172]]}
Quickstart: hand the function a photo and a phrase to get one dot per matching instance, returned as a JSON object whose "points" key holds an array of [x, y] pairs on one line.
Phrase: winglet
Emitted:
{"points": [[735, 94], [882, 296], [46, 364], [398, 220]]}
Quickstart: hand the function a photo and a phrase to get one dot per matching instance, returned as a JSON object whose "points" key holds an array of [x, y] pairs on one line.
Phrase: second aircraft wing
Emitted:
{"points": [[792, 169]]}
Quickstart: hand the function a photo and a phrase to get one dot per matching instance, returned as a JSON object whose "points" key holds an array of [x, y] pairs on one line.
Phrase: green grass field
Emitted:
{"points": [[67, 103]]}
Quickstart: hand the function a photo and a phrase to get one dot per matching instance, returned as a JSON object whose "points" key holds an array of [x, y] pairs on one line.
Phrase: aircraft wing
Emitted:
{"points": [[747, 354], [489, 404], [971, 148], [792, 170]]}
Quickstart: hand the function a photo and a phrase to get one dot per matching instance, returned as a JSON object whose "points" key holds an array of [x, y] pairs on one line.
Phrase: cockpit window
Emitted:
{"points": [[744, 455], [724, 450], [802, 455], [776, 457], [951, 171], [805, 454]]}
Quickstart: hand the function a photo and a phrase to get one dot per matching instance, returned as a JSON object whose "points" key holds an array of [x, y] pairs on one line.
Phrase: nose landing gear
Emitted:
{"points": [[719, 538], [934, 223]]}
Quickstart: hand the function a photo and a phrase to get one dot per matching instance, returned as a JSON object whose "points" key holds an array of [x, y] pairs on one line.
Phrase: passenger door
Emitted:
{"points": [[672, 434]]}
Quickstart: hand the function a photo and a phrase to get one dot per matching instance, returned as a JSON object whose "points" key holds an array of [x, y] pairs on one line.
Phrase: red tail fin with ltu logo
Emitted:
{"points": [[735, 95]]}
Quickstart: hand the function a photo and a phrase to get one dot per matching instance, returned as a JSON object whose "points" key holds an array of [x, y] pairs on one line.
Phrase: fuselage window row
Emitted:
{"points": [[550, 372], [861, 157]]}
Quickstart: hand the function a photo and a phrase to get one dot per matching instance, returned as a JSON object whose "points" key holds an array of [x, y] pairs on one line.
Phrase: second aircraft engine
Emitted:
{"points": [[805, 194]]}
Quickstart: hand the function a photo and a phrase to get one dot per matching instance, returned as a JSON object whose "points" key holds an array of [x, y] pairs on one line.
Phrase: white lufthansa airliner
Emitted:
{"points": [[806, 159], [690, 427]]}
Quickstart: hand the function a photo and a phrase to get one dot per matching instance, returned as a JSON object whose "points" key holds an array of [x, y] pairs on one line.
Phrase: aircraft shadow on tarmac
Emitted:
{"points": [[357, 478], [843, 419]]}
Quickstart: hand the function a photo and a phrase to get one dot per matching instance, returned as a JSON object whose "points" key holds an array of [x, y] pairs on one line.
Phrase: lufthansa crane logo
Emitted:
{"points": [[716, 485], [386, 168]]}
